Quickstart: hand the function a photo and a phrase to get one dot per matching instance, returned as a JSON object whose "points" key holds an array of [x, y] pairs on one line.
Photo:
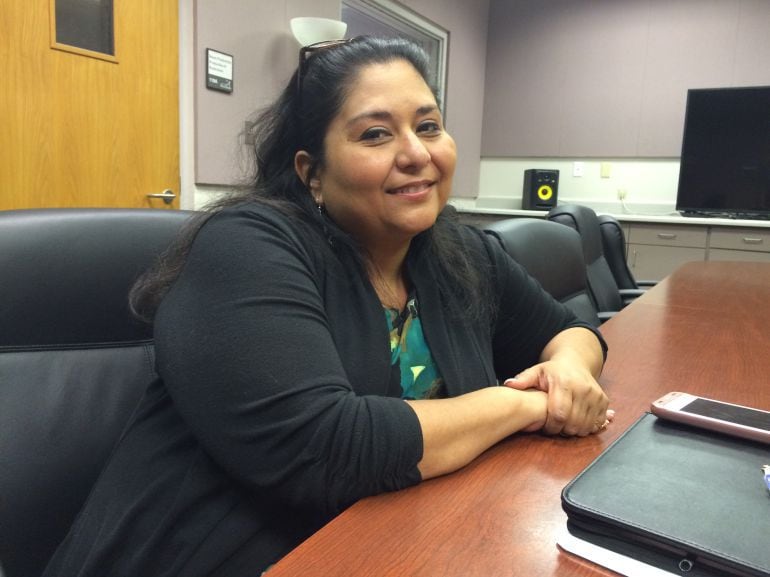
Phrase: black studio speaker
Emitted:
{"points": [[540, 189]]}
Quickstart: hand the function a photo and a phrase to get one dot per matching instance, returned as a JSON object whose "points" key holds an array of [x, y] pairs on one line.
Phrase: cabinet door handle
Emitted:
{"points": [[667, 235], [752, 240]]}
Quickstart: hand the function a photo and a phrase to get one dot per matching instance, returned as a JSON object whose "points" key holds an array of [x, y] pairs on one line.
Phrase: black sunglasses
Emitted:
{"points": [[307, 51]]}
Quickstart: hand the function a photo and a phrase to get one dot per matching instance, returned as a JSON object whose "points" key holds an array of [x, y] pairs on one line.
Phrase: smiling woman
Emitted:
{"points": [[387, 168], [328, 334]]}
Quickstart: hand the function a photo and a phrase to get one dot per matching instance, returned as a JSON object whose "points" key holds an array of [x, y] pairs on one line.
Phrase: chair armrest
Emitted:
{"points": [[632, 292], [605, 315], [628, 295]]}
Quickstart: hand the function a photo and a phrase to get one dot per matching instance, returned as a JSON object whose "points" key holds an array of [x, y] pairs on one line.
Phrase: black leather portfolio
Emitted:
{"points": [[683, 500]]}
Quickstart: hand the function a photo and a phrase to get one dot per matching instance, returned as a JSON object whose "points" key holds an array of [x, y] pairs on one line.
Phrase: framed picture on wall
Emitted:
{"points": [[386, 18]]}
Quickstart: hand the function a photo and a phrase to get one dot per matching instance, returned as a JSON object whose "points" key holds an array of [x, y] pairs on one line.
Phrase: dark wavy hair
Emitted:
{"points": [[298, 120]]}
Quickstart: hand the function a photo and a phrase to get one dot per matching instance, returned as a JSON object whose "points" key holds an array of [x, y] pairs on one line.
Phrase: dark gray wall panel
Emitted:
{"points": [[609, 78]]}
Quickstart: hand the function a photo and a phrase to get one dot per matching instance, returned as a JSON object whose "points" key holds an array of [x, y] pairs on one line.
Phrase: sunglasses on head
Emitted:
{"points": [[307, 51]]}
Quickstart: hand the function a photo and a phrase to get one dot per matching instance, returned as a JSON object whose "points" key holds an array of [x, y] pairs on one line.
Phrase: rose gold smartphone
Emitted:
{"points": [[727, 418]]}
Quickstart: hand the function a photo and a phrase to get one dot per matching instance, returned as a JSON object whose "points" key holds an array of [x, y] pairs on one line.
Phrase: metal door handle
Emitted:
{"points": [[167, 195], [667, 235], [752, 240]]}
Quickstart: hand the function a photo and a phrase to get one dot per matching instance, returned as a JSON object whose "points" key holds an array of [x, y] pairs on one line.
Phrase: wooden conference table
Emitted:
{"points": [[705, 329]]}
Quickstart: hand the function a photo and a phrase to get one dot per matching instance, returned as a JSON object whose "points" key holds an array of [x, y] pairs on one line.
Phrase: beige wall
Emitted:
{"points": [[256, 33], [605, 81]]}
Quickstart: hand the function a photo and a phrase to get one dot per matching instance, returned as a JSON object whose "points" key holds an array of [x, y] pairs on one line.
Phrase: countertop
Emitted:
{"points": [[671, 217]]}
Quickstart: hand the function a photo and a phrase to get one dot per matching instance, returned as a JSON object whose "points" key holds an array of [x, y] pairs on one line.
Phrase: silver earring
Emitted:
{"points": [[319, 205]]}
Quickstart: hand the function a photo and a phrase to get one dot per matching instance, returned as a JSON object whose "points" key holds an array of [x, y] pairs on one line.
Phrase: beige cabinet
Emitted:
{"points": [[743, 244], [656, 250]]}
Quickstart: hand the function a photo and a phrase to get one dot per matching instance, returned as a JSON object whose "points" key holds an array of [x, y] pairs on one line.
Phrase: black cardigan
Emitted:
{"points": [[273, 412]]}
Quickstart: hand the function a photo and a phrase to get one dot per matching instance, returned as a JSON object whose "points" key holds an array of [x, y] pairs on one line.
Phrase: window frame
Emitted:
{"points": [[412, 25], [56, 45]]}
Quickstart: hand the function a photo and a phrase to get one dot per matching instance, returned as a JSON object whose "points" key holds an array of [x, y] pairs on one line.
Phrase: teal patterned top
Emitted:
{"points": [[411, 361]]}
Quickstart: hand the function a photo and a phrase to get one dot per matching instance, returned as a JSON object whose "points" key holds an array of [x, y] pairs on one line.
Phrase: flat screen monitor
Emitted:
{"points": [[725, 164]]}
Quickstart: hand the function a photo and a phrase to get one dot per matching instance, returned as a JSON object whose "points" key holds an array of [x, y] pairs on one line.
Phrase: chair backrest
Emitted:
{"points": [[601, 283], [552, 254], [73, 361], [614, 245]]}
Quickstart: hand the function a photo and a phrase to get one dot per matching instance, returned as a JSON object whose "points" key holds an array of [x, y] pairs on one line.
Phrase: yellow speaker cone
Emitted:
{"points": [[544, 192]]}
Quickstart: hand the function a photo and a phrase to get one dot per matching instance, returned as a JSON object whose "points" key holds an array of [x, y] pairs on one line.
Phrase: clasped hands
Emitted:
{"points": [[576, 405]]}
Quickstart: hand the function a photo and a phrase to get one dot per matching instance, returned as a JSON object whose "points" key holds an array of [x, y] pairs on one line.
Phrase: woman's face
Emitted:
{"points": [[389, 163]]}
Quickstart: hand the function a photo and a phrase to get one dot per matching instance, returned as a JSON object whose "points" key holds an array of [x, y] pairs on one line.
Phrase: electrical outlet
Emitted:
{"points": [[577, 169], [622, 193]]}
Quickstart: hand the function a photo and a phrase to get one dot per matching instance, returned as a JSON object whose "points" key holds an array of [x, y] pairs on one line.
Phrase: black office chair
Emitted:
{"points": [[607, 295], [552, 254], [73, 362], [614, 244]]}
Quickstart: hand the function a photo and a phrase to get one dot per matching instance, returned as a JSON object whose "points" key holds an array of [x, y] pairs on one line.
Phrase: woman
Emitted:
{"points": [[280, 401]]}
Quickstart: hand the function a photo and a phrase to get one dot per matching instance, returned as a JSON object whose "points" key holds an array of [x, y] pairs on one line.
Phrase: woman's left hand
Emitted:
{"points": [[577, 405]]}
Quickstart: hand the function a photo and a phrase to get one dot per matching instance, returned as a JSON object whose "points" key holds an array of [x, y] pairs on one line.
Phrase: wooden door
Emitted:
{"points": [[79, 131]]}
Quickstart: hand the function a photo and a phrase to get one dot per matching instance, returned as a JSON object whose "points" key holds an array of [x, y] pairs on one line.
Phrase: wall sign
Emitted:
{"points": [[219, 71]]}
